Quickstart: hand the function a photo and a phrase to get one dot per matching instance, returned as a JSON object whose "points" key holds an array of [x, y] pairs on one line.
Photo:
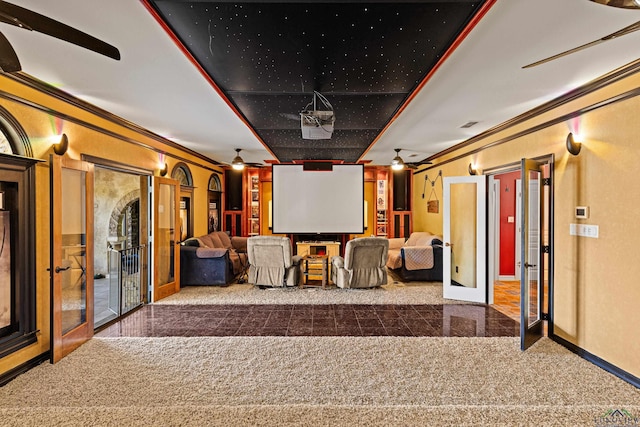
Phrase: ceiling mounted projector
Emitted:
{"points": [[317, 124]]}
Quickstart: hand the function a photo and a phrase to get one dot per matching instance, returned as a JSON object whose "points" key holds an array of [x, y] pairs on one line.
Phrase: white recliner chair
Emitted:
{"points": [[363, 265], [271, 262]]}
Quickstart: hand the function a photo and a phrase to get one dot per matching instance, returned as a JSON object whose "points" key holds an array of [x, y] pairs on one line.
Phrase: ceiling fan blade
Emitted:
{"points": [[9, 62], [624, 4], [624, 31], [29, 20]]}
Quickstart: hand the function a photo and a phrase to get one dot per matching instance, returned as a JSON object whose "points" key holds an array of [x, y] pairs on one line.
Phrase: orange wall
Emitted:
{"points": [[109, 141], [595, 280]]}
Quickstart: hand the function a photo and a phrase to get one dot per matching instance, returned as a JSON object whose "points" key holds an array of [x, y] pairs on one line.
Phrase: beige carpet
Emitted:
{"points": [[314, 381], [392, 293]]}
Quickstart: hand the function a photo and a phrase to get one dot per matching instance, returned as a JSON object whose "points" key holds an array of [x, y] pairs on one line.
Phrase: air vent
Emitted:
{"points": [[468, 125]]}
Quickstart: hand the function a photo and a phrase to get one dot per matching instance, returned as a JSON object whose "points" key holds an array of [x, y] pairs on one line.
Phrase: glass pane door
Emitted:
{"points": [[72, 265], [532, 261], [74, 249], [464, 233], [165, 247]]}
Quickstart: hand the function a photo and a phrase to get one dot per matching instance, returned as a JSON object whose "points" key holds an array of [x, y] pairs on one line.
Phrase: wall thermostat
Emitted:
{"points": [[582, 212]]}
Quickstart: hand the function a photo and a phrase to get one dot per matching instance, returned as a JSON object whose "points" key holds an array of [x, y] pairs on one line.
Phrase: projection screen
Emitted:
{"points": [[308, 202]]}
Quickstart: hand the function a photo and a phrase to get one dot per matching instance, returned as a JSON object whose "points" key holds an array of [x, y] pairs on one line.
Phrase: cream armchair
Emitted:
{"points": [[363, 265], [271, 262]]}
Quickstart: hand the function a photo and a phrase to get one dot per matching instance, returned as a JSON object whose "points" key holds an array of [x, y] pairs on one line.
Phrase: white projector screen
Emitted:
{"points": [[314, 202]]}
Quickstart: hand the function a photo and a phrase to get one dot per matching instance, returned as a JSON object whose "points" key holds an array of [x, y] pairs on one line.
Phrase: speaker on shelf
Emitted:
{"points": [[233, 190], [401, 196]]}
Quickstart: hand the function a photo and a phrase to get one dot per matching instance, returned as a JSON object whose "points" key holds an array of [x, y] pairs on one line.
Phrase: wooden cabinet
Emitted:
{"points": [[253, 202], [248, 194], [330, 249], [381, 227], [242, 202]]}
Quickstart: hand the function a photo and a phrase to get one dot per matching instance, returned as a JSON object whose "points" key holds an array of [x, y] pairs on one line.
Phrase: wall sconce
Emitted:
{"points": [[472, 170], [164, 169], [61, 147], [573, 146]]}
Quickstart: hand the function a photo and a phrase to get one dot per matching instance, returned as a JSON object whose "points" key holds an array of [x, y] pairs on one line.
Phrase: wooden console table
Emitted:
{"points": [[328, 249], [315, 266]]}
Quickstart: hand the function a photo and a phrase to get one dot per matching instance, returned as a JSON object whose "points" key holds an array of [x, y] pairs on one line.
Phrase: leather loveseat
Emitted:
{"points": [[212, 259], [417, 259]]}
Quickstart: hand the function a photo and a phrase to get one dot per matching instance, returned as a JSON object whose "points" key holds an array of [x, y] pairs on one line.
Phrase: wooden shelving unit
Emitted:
{"points": [[254, 204], [328, 249]]}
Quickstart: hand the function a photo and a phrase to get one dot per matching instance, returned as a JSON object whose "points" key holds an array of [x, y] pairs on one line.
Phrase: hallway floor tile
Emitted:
{"points": [[451, 320]]}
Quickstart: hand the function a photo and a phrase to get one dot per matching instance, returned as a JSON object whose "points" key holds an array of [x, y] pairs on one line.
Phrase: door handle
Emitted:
{"points": [[527, 265], [59, 269], [448, 244]]}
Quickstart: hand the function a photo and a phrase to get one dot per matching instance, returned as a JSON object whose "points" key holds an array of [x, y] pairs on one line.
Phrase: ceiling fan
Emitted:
{"points": [[398, 164], [624, 4], [239, 164], [32, 21]]}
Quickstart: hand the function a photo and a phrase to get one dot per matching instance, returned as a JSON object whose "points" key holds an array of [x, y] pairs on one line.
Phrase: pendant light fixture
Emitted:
{"points": [[397, 163], [237, 163]]}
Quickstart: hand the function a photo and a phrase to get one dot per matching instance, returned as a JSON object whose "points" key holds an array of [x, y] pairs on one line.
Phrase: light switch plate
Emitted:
{"points": [[584, 230]]}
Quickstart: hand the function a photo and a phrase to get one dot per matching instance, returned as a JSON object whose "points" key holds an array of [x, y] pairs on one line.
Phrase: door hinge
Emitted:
{"points": [[546, 182], [546, 249]]}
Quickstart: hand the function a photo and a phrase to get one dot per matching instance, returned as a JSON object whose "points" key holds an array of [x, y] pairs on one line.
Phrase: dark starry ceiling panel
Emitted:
{"points": [[366, 58]]}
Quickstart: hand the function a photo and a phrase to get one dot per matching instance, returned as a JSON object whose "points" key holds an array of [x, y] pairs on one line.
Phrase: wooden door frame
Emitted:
{"points": [[172, 287]]}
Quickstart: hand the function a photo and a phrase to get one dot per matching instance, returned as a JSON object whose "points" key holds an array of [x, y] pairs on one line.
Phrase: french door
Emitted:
{"points": [[465, 234], [71, 255], [166, 227], [532, 262]]}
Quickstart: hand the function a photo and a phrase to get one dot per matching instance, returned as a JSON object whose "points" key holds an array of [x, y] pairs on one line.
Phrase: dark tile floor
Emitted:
{"points": [[463, 320]]}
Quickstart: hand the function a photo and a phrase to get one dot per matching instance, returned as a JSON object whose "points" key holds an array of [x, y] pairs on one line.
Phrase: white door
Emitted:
{"points": [[465, 238]]}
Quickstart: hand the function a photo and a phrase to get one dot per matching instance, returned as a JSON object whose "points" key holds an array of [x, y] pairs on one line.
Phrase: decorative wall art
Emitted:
{"points": [[433, 204], [213, 217]]}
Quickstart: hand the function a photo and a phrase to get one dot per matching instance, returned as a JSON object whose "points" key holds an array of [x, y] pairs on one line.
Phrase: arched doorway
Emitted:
{"points": [[124, 230], [215, 197], [118, 242], [182, 174]]}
